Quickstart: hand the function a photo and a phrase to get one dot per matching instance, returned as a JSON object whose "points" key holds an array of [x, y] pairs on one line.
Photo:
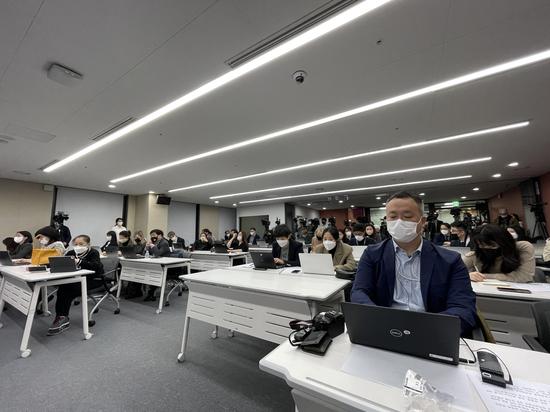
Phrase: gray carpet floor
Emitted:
{"points": [[130, 365]]}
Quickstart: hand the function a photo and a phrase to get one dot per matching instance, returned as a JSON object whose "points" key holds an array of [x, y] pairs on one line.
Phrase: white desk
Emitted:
{"points": [[508, 314], [21, 288], [319, 385], [258, 304], [150, 271], [204, 260]]}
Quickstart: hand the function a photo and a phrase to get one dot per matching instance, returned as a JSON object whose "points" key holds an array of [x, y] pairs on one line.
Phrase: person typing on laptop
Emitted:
{"points": [[88, 258], [285, 250], [410, 273]]}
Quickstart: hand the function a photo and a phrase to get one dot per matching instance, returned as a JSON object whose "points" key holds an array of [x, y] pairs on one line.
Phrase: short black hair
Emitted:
{"points": [[85, 237], [281, 231], [119, 218], [26, 234], [460, 225], [333, 231], [253, 228], [407, 195], [445, 224], [124, 233], [157, 232], [49, 232], [170, 233], [509, 252], [358, 227]]}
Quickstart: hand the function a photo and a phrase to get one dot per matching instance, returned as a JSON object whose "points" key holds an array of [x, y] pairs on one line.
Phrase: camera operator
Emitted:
{"points": [[64, 233], [505, 219]]}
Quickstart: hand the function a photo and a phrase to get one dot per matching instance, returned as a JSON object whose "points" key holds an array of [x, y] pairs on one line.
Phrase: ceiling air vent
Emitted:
{"points": [[117, 126], [298, 26], [48, 164]]}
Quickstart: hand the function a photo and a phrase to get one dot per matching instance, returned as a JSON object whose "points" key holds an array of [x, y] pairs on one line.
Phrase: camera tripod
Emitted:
{"points": [[540, 226]]}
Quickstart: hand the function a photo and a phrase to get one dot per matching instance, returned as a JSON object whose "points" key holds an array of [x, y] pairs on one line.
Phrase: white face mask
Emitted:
{"points": [[239, 238], [282, 242], [514, 235], [444, 231], [252, 233], [174, 238], [18, 239], [79, 250], [402, 230], [329, 244], [348, 234], [119, 223], [44, 241], [108, 237], [359, 238]]}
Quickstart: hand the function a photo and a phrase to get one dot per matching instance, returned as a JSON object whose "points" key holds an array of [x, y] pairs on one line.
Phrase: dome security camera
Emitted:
{"points": [[299, 76]]}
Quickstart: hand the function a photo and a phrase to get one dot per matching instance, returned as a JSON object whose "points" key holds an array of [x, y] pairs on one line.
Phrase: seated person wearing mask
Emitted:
{"points": [[23, 250], [443, 238], [253, 237], [48, 238], [140, 242], [124, 239], [411, 273], [348, 234], [157, 247], [111, 240], [359, 238], [232, 242], [203, 242], [342, 254], [370, 233], [239, 245], [285, 251], [461, 230], [497, 255], [173, 238], [86, 258]]}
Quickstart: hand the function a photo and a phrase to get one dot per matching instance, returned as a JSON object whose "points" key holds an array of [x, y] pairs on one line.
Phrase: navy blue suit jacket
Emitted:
{"points": [[444, 281]]}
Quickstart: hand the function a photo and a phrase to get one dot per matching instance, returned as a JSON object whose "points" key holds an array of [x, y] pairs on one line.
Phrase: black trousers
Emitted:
{"points": [[68, 292]]}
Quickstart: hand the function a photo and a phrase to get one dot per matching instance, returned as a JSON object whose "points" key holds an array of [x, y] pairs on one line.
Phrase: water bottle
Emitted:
{"points": [[147, 254]]}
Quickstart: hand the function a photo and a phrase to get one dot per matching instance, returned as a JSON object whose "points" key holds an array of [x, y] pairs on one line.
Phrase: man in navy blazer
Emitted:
{"points": [[408, 272]]}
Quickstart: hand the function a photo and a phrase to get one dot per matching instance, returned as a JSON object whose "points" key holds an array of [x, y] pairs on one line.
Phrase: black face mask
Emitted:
{"points": [[154, 239], [489, 255], [137, 240], [319, 237]]}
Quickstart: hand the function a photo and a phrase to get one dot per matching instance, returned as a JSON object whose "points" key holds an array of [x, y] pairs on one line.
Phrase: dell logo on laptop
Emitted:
{"points": [[396, 333]]}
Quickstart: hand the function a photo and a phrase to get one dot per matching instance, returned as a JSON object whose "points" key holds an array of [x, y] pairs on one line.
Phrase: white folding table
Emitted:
{"points": [[203, 260], [150, 271], [508, 313], [257, 303], [21, 288], [322, 384]]}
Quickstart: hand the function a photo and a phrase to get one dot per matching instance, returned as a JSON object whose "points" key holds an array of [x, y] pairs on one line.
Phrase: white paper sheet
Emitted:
{"points": [[533, 287], [522, 396], [389, 368]]}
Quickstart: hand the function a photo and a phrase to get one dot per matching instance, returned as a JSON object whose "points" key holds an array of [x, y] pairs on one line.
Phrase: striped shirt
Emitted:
{"points": [[407, 294]]}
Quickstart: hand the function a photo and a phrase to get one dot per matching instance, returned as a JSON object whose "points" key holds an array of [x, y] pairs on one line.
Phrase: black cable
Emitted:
{"points": [[467, 361]]}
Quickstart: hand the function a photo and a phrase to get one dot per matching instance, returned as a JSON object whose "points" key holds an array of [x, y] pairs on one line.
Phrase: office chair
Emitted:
{"points": [[347, 275], [540, 275], [482, 331], [541, 342], [107, 289], [176, 283]]}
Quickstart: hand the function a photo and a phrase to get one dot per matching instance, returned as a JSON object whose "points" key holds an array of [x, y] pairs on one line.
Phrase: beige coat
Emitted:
{"points": [[523, 274], [546, 251], [343, 256]]}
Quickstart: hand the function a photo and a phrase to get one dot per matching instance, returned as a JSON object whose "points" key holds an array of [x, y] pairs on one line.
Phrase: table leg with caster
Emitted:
{"points": [[231, 333], [162, 289], [2, 300], [84, 304], [45, 309], [214, 334], [24, 348], [181, 355]]}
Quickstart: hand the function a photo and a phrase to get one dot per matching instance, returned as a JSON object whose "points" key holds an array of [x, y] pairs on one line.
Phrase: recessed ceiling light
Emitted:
{"points": [[216, 201], [422, 194], [348, 15], [323, 208], [234, 204], [358, 155], [446, 84], [497, 175], [352, 178], [358, 189], [352, 206], [463, 197], [112, 186], [475, 189], [309, 204], [151, 192], [384, 203], [340, 201], [513, 164]]}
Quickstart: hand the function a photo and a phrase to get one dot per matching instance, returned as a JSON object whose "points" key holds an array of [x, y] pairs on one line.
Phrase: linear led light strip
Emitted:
{"points": [[331, 24], [467, 78], [357, 189], [346, 179], [359, 155]]}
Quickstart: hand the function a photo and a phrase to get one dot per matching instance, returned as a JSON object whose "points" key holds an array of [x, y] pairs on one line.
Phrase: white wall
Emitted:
{"points": [[182, 219], [90, 213], [227, 219], [274, 211], [306, 212], [376, 215]]}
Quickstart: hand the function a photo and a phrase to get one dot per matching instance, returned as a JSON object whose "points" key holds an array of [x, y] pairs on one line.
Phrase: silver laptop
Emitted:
{"points": [[317, 263]]}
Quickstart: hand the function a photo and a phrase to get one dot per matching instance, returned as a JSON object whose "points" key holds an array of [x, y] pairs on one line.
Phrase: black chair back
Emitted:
{"points": [[541, 313]]}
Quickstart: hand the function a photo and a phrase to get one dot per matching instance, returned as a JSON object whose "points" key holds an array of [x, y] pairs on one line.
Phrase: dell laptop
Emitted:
{"points": [[60, 264], [264, 260], [129, 252], [316, 263], [427, 335]]}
